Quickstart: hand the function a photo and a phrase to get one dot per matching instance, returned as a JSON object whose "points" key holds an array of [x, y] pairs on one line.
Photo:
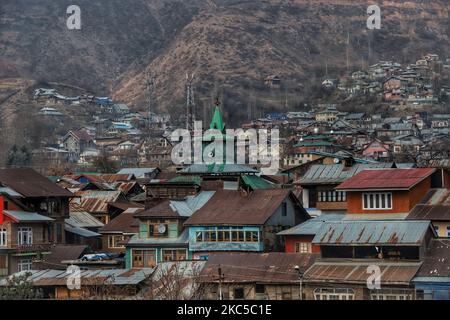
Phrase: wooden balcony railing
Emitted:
{"points": [[35, 247]]}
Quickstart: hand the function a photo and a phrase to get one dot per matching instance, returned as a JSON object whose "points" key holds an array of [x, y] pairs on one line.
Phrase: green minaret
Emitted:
{"points": [[217, 120]]}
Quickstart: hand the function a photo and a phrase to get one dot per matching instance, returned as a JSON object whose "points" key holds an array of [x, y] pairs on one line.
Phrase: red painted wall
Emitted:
{"points": [[403, 201], [290, 242]]}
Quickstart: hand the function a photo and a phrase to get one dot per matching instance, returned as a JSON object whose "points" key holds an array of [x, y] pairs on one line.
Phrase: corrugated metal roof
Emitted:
{"points": [[175, 208], [81, 231], [335, 173], [437, 260], [187, 179], [191, 204], [217, 169], [51, 277], [83, 219], [311, 226], [137, 172], [376, 216], [273, 267], [386, 179], [29, 183], [9, 192], [434, 206], [96, 201], [256, 182], [372, 232], [229, 207], [356, 272], [23, 216]]}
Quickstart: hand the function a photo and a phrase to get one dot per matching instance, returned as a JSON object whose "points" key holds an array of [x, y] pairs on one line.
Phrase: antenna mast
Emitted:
{"points": [[347, 50], [189, 102], [151, 91]]}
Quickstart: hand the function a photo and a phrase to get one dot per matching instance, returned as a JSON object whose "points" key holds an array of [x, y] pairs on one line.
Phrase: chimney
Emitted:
{"points": [[1, 209]]}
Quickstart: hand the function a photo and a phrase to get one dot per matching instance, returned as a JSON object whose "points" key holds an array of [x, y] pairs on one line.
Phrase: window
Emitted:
{"points": [[284, 209], [334, 294], [331, 196], [24, 265], [392, 295], [116, 241], [3, 238], [174, 255], [143, 258], [375, 201], [303, 247], [260, 288], [25, 236], [239, 293], [227, 234]]}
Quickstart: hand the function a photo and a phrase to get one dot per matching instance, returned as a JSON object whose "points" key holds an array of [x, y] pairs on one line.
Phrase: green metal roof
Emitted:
{"points": [[256, 182], [187, 179], [217, 121], [314, 144]]}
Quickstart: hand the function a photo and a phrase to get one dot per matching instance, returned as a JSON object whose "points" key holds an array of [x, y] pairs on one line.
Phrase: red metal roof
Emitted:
{"points": [[385, 179]]}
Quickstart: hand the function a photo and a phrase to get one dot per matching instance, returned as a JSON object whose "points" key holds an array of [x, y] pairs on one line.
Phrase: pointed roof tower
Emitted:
{"points": [[217, 121]]}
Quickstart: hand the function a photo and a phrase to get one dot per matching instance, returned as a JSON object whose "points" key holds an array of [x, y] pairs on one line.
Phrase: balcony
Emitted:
{"points": [[30, 248]]}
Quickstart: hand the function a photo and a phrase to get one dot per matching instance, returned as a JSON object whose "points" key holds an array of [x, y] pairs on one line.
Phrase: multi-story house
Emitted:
{"points": [[319, 183], [386, 191], [236, 221], [162, 235], [353, 251], [32, 218], [38, 194]]}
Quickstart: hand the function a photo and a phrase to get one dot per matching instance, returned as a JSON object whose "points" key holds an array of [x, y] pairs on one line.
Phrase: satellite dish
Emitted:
{"points": [[336, 160], [162, 228]]}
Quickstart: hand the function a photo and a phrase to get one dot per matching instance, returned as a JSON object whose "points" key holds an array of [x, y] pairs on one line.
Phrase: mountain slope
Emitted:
{"points": [[230, 46]]}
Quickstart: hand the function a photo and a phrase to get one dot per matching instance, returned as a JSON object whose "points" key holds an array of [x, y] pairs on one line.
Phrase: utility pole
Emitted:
{"points": [[190, 104], [221, 278], [300, 279], [347, 51], [151, 90]]}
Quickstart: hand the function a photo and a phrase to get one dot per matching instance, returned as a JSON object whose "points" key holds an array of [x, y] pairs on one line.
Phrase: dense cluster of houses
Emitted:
{"points": [[328, 134], [413, 85], [115, 132], [315, 230]]}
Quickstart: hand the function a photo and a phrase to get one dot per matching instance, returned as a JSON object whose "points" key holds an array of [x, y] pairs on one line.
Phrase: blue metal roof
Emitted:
{"points": [[311, 226], [371, 232], [23, 216], [191, 204]]}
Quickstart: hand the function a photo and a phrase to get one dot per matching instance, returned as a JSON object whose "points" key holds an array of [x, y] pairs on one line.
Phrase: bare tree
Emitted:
{"points": [[177, 281]]}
